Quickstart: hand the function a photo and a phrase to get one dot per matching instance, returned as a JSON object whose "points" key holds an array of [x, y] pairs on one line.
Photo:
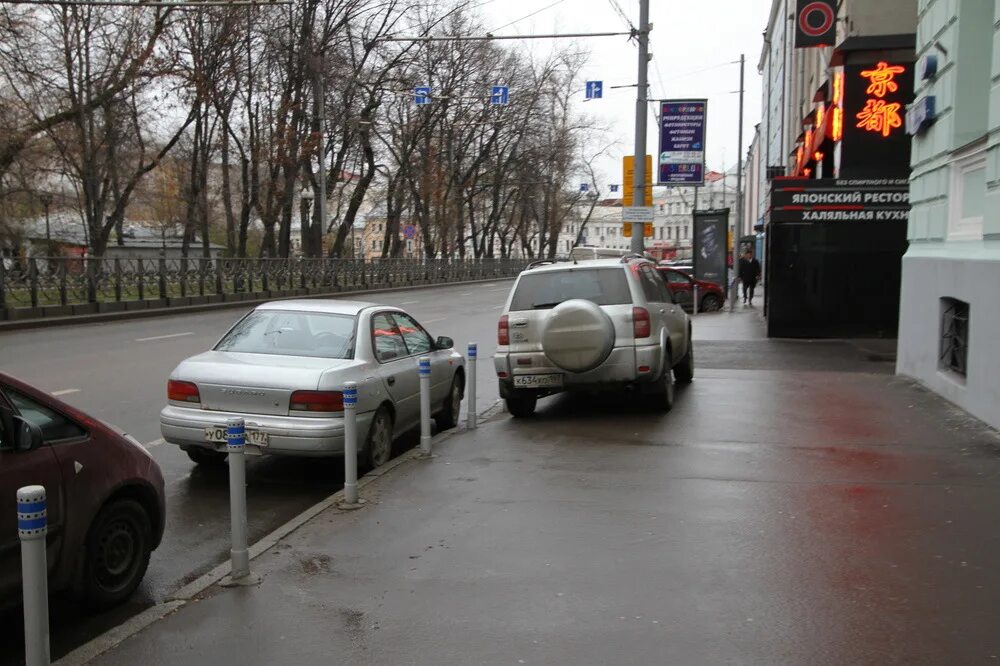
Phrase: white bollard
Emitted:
{"points": [[473, 356], [695, 311], [424, 368], [236, 446], [350, 445], [32, 526]]}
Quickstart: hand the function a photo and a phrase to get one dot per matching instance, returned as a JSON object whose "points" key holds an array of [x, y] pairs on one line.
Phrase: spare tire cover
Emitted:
{"points": [[578, 336]]}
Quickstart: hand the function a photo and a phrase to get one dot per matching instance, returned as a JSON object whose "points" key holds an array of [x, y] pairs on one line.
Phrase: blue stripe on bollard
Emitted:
{"points": [[236, 436], [425, 367], [350, 396], [31, 507], [473, 351], [32, 524]]}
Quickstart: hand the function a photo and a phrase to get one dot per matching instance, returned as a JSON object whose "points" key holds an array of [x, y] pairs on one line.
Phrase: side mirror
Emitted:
{"points": [[27, 436], [444, 342]]}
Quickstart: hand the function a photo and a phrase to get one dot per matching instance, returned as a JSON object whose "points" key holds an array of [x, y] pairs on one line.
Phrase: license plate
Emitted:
{"points": [[538, 381], [218, 434]]}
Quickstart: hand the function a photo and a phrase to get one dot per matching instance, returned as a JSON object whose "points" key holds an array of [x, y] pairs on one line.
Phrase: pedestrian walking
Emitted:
{"points": [[749, 275]]}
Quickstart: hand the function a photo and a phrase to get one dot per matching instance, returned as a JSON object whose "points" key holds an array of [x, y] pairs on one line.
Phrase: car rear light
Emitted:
{"points": [[640, 323], [316, 401], [182, 391], [502, 375], [503, 331]]}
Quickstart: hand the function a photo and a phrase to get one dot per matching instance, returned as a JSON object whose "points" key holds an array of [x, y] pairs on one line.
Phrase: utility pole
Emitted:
{"points": [[641, 114], [738, 228]]}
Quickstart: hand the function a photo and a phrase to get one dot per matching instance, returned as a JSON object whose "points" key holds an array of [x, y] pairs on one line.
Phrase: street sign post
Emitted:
{"points": [[584, 187], [422, 95], [647, 229], [682, 142], [628, 175], [637, 214], [595, 89], [500, 95]]}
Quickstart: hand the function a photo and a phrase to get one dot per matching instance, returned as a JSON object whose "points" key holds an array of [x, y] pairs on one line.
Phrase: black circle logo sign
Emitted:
{"points": [[816, 19]]}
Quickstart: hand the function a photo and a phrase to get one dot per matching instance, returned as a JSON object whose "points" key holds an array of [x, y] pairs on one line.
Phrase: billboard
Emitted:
{"points": [[682, 142], [711, 245], [840, 200]]}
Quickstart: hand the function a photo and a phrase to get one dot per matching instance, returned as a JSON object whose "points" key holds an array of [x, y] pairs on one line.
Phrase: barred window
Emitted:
{"points": [[954, 350]]}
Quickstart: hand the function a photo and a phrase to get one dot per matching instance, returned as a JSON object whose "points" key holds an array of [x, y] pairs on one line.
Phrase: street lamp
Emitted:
{"points": [[46, 199], [305, 200]]}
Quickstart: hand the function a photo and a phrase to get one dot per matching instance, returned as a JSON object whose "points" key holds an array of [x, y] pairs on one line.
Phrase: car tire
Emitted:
{"points": [[378, 443], [521, 405], [662, 394], [119, 543], [710, 303], [684, 371], [202, 456], [451, 412]]}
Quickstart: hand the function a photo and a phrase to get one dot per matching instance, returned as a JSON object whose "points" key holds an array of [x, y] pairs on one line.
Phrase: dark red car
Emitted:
{"points": [[710, 295], [104, 493]]}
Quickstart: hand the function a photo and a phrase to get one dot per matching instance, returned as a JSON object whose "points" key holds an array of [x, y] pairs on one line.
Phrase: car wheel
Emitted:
{"points": [[118, 547], [662, 393], [378, 444], [521, 406], [202, 456], [711, 303], [684, 371], [451, 412]]}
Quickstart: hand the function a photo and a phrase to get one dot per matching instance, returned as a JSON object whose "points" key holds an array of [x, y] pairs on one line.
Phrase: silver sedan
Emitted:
{"points": [[283, 367]]}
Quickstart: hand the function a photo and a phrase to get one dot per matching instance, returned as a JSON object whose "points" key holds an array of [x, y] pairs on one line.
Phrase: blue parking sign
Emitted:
{"points": [[422, 95], [500, 95]]}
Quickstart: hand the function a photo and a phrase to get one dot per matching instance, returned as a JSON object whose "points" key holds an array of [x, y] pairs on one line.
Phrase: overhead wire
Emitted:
{"points": [[525, 18]]}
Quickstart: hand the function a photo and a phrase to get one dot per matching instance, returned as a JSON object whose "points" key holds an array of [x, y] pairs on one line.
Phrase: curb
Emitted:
{"points": [[186, 594], [105, 317]]}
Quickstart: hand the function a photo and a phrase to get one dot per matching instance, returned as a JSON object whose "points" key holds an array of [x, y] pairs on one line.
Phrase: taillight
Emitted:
{"points": [[640, 323], [316, 401], [503, 331], [182, 391]]}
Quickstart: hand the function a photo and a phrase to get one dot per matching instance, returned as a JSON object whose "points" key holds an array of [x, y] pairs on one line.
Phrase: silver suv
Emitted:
{"points": [[591, 325]]}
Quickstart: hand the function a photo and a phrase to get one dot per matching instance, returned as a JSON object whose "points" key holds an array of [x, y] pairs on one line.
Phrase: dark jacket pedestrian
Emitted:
{"points": [[749, 275]]}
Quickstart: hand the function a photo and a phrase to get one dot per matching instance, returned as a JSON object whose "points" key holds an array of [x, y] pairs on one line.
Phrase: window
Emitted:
{"points": [[676, 277], [54, 426], [653, 286], [685, 232], [416, 338], [670, 233], [285, 333], [375, 244], [386, 339], [954, 347], [968, 197], [603, 286]]}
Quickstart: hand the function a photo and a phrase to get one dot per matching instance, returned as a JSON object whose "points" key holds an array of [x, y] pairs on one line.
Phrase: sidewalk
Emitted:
{"points": [[802, 505]]}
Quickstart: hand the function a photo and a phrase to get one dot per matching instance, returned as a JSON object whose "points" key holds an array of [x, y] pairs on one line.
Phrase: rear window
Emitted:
{"points": [[292, 334], [603, 286]]}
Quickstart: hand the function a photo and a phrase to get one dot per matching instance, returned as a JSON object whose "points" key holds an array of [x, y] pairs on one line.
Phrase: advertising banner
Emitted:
{"points": [[840, 200], [682, 142], [710, 246]]}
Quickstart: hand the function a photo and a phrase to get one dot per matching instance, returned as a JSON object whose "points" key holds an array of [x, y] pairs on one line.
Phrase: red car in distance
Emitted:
{"points": [[104, 496], [710, 295]]}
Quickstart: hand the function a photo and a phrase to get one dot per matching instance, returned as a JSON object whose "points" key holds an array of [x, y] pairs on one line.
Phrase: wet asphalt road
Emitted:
{"points": [[117, 372]]}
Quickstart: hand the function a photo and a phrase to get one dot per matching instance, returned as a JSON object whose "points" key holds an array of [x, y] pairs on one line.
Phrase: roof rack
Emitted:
{"points": [[634, 255]]}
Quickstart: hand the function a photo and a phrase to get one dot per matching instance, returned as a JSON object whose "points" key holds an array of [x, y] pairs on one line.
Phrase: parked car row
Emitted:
{"points": [[281, 368]]}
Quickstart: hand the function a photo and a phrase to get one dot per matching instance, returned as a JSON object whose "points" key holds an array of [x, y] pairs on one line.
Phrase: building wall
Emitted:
{"points": [[954, 228]]}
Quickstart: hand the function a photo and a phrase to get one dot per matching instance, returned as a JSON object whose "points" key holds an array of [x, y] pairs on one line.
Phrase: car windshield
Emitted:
{"points": [[603, 286], [292, 334]]}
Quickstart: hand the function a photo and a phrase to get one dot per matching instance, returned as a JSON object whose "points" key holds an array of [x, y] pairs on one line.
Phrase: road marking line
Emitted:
{"points": [[164, 337], [65, 392], [466, 293], [431, 321], [154, 444], [409, 302]]}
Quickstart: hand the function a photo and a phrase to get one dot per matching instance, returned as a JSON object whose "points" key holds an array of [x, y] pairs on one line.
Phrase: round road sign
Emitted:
{"points": [[816, 19]]}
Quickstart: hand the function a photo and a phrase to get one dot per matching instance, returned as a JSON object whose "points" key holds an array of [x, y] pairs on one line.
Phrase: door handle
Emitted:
{"points": [[391, 381]]}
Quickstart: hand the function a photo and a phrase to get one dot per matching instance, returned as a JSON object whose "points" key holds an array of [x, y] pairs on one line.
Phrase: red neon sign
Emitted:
{"points": [[878, 115]]}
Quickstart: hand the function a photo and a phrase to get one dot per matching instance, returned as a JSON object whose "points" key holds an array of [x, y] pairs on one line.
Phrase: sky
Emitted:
{"points": [[694, 45]]}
